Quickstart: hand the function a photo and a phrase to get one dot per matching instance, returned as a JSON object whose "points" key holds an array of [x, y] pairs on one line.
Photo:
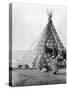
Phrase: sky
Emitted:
{"points": [[29, 20]]}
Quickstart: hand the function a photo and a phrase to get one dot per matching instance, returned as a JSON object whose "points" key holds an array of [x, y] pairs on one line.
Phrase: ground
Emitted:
{"points": [[36, 77]]}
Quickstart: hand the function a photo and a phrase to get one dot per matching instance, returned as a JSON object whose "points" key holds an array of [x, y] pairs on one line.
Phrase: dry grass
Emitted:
{"points": [[36, 77]]}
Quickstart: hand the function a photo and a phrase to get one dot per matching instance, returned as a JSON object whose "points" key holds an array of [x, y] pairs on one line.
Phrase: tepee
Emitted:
{"points": [[49, 43]]}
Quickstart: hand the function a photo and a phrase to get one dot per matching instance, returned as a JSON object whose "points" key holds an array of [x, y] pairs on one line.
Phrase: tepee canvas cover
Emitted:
{"points": [[49, 39]]}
